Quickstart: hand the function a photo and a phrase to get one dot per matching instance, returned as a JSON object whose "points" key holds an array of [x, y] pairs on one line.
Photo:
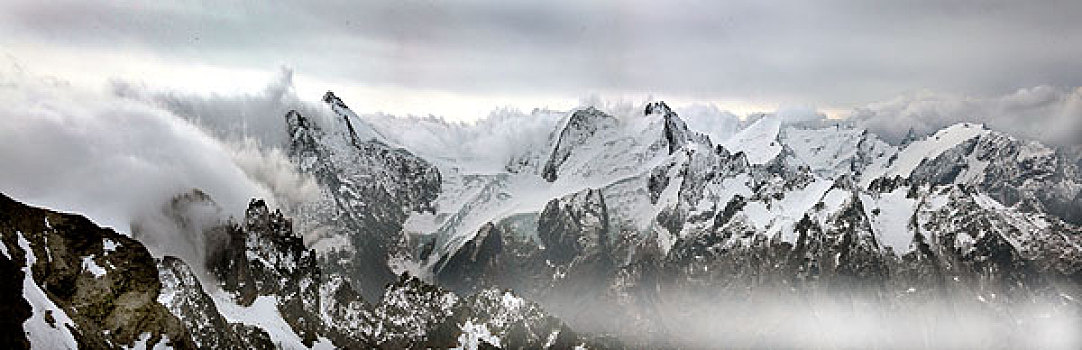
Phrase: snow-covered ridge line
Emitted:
{"points": [[911, 156]]}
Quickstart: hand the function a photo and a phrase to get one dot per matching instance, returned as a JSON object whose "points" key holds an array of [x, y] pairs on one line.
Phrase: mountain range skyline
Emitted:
{"points": [[560, 175], [460, 61]]}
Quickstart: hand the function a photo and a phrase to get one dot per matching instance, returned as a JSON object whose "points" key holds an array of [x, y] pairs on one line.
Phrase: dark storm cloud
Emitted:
{"points": [[830, 53]]}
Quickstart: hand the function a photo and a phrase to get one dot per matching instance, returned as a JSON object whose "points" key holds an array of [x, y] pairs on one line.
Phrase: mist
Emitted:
{"points": [[120, 157], [833, 321], [731, 315]]}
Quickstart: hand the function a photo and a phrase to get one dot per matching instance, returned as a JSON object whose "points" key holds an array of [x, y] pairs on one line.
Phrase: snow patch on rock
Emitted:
{"points": [[43, 334]]}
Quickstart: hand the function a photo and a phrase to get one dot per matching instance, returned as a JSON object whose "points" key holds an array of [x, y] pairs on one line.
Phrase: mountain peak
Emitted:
{"points": [[295, 121], [580, 127], [657, 107], [359, 130], [677, 134], [331, 98]]}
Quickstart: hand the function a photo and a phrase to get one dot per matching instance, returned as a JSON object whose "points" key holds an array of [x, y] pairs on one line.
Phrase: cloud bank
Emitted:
{"points": [[835, 53], [119, 160], [1049, 114]]}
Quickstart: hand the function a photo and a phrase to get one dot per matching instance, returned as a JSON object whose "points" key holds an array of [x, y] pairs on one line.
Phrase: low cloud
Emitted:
{"points": [[482, 146], [118, 159], [711, 120], [1048, 114], [257, 115]]}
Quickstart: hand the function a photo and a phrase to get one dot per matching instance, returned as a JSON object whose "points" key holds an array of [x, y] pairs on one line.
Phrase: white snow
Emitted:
{"points": [[935, 201], [41, 334], [477, 199], [109, 246], [322, 343], [988, 202], [891, 224], [141, 343], [974, 172], [779, 217], [360, 126], [4, 250], [791, 209], [405, 264], [511, 302], [325, 244], [759, 141], [90, 265], [911, 156], [473, 334], [964, 241], [263, 313], [829, 152], [421, 223]]}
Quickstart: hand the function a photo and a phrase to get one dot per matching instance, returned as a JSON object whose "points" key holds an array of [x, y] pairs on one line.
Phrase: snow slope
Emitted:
{"points": [[759, 141], [263, 313], [913, 154]]}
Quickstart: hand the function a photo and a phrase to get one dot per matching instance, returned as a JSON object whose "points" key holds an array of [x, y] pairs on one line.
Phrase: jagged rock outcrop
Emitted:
{"points": [[184, 296], [87, 286], [264, 258], [676, 132]]}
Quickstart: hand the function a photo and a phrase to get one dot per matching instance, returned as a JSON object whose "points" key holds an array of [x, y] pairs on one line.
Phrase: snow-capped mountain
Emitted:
{"points": [[629, 225], [619, 214], [368, 189]]}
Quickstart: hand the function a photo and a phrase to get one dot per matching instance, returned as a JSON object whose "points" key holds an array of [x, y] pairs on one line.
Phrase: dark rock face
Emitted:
{"points": [[479, 259], [522, 324], [571, 265], [574, 234], [337, 104], [16, 309], [109, 307], [573, 239], [840, 250], [577, 225]]}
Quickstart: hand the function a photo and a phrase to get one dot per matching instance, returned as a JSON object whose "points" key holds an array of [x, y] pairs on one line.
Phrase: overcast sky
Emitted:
{"points": [[461, 59]]}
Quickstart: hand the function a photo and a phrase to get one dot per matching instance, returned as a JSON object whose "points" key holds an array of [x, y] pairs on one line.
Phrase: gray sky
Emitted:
{"points": [[463, 58]]}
